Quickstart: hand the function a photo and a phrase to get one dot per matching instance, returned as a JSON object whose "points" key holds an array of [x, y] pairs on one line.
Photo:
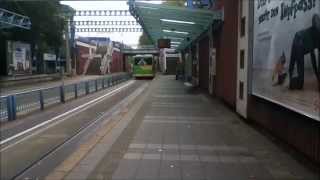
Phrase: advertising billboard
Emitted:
{"points": [[19, 58], [286, 54]]}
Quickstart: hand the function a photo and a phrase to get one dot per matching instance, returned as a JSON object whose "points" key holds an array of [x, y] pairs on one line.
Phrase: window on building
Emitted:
{"points": [[243, 26], [241, 90], [241, 59]]}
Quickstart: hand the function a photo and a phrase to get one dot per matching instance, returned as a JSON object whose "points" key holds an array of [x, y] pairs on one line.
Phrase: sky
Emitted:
{"points": [[129, 38]]}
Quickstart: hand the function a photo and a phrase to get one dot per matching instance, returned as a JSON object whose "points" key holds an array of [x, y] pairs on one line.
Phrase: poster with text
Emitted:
{"points": [[21, 57], [286, 59]]}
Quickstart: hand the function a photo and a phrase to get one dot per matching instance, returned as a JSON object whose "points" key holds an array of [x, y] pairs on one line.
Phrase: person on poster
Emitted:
{"points": [[279, 73], [305, 42]]}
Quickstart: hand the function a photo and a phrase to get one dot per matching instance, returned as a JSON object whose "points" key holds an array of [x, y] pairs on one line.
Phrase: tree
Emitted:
{"points": [[47, 24], [144, 40], [48, 20]]}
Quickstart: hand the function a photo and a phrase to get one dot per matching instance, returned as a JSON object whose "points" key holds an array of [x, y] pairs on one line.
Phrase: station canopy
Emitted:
{"points": [[179, 24]]}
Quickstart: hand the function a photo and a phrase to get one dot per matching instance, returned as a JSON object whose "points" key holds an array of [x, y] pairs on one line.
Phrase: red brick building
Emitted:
{"points": [[85, 53], [117, 64]]}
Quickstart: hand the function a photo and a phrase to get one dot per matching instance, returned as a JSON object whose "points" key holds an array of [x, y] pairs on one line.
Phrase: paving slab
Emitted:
{"points": [[181, 135]]}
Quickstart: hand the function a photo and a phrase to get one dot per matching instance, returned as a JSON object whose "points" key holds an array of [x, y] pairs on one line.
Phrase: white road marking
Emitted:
{"points": [[83, 106]]}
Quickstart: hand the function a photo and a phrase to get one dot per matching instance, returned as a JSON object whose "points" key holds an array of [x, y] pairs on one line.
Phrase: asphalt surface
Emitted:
{"points": [[23, 152]]}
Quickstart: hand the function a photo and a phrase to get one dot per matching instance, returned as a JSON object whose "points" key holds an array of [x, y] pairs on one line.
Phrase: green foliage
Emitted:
{"points": [[144, 40], [47, 23]]}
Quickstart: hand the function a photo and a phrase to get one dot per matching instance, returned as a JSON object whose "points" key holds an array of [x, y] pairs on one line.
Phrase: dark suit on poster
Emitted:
{"points": [[305, 42]]}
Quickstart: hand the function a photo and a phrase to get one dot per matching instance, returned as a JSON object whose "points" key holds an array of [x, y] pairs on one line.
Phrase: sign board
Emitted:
{"points": [[19, 58], [49, 57], [286, 51], [164, 43]]}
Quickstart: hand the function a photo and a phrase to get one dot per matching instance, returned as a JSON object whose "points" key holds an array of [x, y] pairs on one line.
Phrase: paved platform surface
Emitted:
{"points": [[181, 135]]}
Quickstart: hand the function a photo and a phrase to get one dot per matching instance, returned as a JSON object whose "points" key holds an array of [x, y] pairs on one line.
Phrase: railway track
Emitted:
{"points": [[32, 154]]}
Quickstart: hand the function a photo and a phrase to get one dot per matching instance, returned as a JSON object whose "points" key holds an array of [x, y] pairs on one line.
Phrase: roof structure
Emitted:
{"points": [[180, 24]]}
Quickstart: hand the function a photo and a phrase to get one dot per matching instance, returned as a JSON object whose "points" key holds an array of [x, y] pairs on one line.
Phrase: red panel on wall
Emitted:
{"points": [[117, 62], [227, 53], [204, 63]]}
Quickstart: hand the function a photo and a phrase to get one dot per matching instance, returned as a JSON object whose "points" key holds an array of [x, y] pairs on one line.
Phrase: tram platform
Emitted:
{"points": [[173, 133]]}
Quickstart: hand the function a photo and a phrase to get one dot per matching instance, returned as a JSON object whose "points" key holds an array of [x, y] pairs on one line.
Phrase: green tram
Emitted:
{"points": [[143, 66]]}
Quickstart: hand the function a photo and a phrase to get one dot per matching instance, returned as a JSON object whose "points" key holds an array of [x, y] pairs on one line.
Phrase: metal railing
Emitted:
{"points": [[23, 103]]}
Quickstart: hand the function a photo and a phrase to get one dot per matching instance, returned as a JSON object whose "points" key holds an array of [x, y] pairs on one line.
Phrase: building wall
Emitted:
{"points": [[81, 61], [117, 62], [225, 41], [94, 67], [127, 64], [242, 58], [195, 63], [187, 64], [204, 63], [162, 60], [226, 64], [87, 59], [298, 131]]}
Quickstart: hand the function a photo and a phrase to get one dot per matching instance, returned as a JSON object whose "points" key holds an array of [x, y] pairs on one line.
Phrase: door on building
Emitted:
{"points": [[204, 63]]}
